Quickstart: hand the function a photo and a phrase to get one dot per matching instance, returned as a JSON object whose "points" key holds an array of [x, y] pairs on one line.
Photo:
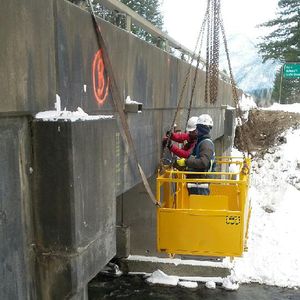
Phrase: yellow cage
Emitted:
{"points": [[213, 225]]}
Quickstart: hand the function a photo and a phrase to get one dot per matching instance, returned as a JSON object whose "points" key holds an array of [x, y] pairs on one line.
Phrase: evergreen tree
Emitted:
{"points": [[283, 44], [148, 9], [285, 91]]}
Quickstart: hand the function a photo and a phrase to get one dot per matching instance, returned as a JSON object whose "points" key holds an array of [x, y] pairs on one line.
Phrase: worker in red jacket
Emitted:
{"points": [[188, 139]]}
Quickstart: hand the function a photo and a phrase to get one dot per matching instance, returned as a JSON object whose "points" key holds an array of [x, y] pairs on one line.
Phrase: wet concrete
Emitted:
{"points": [[134, 287]]}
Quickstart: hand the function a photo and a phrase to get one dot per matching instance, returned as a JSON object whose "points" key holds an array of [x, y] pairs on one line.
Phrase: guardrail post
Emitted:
{"points": [[167, 46], [128, 23]]}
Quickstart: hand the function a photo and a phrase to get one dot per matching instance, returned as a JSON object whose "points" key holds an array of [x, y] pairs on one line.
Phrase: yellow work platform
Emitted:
{"points": [[213, 225]]}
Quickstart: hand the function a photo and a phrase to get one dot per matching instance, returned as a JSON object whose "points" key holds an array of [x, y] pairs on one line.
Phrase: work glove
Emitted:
{"points": [[181, 162]]}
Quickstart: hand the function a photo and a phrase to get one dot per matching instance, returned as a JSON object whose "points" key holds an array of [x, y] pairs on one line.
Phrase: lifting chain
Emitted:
{"points": [[200, 38], [214, 25], [162, 166], [212, 51]]}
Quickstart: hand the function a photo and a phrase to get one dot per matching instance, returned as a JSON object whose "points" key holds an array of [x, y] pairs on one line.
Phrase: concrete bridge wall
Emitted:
{"points": [[49, 47]]}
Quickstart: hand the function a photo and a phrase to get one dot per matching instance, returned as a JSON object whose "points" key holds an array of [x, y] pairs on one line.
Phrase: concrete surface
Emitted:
{"points": [[202, 269], [16, 236], [74, 203]]}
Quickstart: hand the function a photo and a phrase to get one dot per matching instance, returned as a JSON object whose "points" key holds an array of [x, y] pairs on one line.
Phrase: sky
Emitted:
{"points": [[183, 22]]}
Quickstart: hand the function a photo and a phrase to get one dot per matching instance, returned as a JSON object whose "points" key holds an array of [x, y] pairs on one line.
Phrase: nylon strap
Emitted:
{"points": [[117, 103]]}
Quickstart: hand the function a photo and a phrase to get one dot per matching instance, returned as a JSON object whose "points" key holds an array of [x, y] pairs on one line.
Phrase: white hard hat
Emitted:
{"points": [[191, 124], [205, 120]]}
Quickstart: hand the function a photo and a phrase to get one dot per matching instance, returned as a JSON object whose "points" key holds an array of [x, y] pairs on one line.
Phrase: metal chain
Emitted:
{"points": [[214, 78], [202, 30], [212, 51], [208, 51], [187, 76]]}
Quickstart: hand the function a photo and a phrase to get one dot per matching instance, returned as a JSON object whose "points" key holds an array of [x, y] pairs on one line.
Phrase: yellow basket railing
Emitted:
{"points": [[214, 224]]}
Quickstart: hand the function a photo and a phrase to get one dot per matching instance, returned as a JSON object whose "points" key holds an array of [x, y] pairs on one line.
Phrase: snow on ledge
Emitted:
{"points": [[176, 261], [129, 101], [54, 115]]}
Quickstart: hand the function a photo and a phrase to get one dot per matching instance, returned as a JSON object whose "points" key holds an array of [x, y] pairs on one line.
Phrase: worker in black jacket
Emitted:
{"points": [[203, 156]]}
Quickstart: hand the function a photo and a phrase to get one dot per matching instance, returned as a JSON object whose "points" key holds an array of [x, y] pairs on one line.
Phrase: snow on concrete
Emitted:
{"points": [[54, 115], [129, 101], [176, 261]]}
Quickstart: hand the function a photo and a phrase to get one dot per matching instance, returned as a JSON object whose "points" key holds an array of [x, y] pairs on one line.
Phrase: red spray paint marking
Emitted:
{"points": [[100, 81]]}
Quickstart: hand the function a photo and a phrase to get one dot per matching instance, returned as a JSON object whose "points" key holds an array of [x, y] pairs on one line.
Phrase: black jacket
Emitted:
{"points": [[200, 162]]}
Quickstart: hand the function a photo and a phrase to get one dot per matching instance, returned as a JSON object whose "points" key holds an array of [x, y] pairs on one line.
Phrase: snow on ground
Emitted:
{"points": [[295, 107], [274, 245], [273, 257]]}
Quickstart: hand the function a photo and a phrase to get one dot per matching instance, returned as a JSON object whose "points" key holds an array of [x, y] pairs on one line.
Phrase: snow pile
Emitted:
{"points": [[246, 103], [274, 245], [188, 284], [159, 277], [229, 285], [295, 107], [210, 284]]}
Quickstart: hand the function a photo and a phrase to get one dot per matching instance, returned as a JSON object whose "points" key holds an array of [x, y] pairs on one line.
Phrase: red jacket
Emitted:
{"points": [[188, 147]]}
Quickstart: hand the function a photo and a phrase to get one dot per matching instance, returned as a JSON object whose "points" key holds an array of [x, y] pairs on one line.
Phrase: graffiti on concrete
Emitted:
{"points": [[100, 79]]}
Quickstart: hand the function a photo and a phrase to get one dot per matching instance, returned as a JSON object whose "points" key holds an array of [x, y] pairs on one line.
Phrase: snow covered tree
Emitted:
{"points": [[283, 44]]}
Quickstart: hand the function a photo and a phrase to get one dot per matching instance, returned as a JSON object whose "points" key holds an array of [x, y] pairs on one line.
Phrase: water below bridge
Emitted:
{"points": [[134, 287]]}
